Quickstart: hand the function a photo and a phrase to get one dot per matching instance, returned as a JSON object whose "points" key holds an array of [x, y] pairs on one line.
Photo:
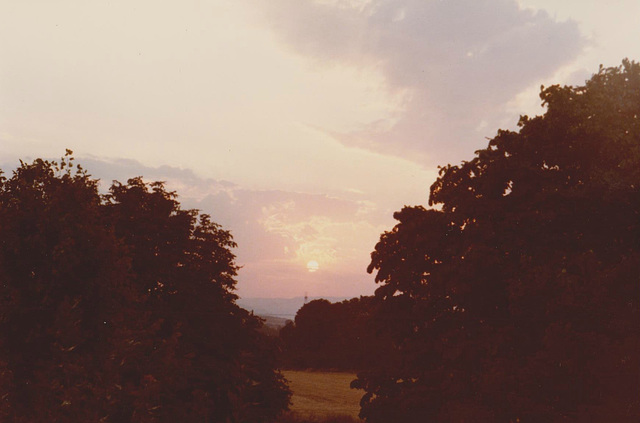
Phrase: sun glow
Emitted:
{"points": [[313, 266]]}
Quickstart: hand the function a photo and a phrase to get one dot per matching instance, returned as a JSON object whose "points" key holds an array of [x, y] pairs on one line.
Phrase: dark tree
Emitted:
{"points": [[517, 297], [334, 336], [203, 354], [120, 308], [61, 278]]}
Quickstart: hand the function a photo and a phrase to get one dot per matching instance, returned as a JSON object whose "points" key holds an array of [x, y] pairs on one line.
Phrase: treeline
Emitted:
{"points": [[334, 336], [120, 307]]}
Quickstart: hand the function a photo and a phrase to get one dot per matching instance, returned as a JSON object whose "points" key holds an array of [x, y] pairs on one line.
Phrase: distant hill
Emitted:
{"points": [[285, 308]]}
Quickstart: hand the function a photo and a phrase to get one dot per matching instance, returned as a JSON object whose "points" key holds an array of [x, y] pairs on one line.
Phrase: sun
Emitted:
{"points": [[313, 266]]}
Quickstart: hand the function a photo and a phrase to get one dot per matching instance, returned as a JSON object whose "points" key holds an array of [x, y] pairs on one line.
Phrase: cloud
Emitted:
{"points": [[454, 63], [200, 86], [279, 232]]}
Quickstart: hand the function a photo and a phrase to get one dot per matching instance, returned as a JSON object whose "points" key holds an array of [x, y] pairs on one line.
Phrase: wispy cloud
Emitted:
{"points": [[455, 64]]}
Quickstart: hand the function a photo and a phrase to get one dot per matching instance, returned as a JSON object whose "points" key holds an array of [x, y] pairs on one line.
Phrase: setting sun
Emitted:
{"points": [[313, 266]]}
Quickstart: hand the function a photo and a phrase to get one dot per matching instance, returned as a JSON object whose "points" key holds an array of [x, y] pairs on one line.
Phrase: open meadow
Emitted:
{"points": [[322, 397]]}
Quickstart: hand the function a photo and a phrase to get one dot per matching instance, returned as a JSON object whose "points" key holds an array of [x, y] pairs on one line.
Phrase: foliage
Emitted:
{"points": [[333, 336], [517, 298], [121, 307]]}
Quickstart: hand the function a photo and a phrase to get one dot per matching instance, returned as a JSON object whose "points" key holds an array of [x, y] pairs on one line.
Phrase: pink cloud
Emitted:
{"points": [[459, 62]]}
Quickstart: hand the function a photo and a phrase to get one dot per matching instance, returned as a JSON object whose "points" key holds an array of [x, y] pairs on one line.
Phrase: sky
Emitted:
{"points": [[298, 125]]}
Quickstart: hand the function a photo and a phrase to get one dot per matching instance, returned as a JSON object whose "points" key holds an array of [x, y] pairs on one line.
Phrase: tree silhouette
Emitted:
{"points": [[121, 308], [334, 336], [205, 351], [517, 298]]}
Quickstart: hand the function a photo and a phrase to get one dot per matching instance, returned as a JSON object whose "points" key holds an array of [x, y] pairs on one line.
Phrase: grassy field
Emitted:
{"points": [[323, 396]]}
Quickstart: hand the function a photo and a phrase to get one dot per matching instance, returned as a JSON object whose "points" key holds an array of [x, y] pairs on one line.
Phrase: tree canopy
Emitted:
{"points": [[120, 307], [334, 336], [516, 297]]}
